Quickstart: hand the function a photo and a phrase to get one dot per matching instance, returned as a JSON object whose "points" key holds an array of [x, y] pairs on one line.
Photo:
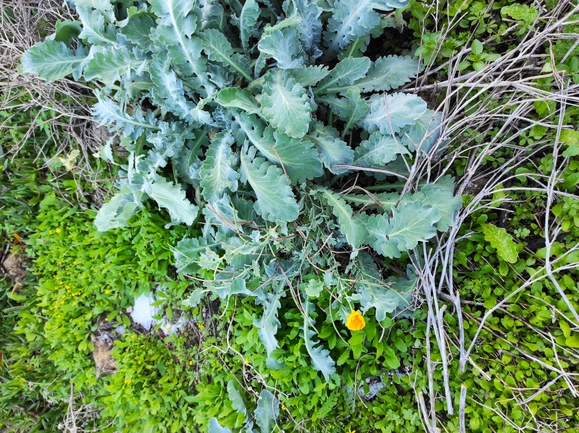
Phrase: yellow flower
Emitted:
{"points": [[107, 292], [58, 230], [351, 431], [200, 325], [355, 321], [190, 362], [246, 360], [283, 407]]}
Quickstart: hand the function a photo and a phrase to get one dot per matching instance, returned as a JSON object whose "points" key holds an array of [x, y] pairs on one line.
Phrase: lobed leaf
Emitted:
{"points": [[247, 22], [234, 97], [215, 427], [51, 60], [268, 324], [95, 30], [285, 104], [352, 19], [321, 360], [373, 292], [309, 75], [172, 197], [217, 174], [218, 49], [187, 254], [387, 73], [351, 109], [410, 224], [298, 159], [343, 75], [167, 91], [111, 64], [117, 211], [390, 113], [350, 225], [174, 34], [284, 47], [237, 402], [333, 151], [310, 26], [379, 150], [275, 199], [108, 112], [267, 411]]}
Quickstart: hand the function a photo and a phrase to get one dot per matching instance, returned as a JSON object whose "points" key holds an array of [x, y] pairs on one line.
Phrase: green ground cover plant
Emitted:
{"points": [[480, 331]]}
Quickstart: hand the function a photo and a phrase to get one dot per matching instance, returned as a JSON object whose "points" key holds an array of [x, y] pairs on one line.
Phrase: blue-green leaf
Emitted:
{"points": [[344, 74], [217, 173], [269, 323], [118, 211], [351, 108], [215, 427], [352, 19], [410, 224], [275, 199], [285, 104], [234, 97], [112, 64], [94, 28], [350, 226], [424, 133], [168, 92], [298, 158], [390, 113], [379, 150], [172, 197], [440, 195], [103, 6], [387, 73], [310, 26], [284, 46], [237, 402], [372, 291], [174, 34], [321, 360], [108, 112], [267, 411], [138, 32], [51, 60], [247, 21], [187, 252], [333, 151], [219, 49], [309, 75]]}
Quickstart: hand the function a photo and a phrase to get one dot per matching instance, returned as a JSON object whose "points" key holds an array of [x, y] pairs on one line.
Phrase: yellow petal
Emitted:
{"points": [[355, 321]]}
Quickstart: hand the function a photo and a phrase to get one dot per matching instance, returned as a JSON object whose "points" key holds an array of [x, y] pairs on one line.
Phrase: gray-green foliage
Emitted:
{"points": [[226, 102]]}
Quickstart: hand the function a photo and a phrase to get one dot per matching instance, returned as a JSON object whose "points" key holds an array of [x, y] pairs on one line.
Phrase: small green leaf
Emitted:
{"points": [[477, 47], [502, 242], [313, 288], [573, 341], [390, 358], [565, 328]]}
